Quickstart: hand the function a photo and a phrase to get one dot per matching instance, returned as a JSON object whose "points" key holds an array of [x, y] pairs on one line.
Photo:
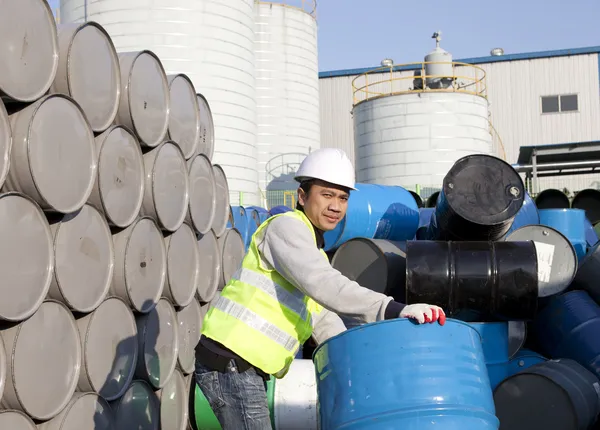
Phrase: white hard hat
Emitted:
{"points": [[328, 164]]}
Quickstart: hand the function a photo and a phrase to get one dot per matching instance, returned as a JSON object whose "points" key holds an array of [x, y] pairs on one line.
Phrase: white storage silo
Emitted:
{"points": [[412, 136], [212, 42], [287, 89]]}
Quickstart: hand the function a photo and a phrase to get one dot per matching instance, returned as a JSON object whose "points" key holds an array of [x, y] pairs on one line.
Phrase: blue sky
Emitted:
{"points": [[360, 33]]}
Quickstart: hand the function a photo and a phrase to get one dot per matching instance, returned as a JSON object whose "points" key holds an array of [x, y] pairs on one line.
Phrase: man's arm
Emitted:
{"points": [[288, 246], [326, 325]]}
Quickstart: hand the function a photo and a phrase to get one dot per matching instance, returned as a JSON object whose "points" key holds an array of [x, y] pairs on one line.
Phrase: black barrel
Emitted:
{"points": [[589, 201], [432, 200], [587, 277], [552, 199], [417, 198], [480, 197], [496, 280]]}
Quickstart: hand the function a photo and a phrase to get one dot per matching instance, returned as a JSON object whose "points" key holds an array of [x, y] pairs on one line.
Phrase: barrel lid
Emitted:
{"points": [[157, 332], [87, 411], [145, 264], [28, 48], [84, 259], [517, 334], [174, 403], [5, 143], [15, 420], [184, 116], [484, 189], [183, 266], [170, 186], [206, 145], [202, 193], [120, 175], [93, 74], [233, 251], [47, 348], [210, 266], [24, 237], [222, 209], [110, 348], [557, 261], [189, 324], [138, 408]]}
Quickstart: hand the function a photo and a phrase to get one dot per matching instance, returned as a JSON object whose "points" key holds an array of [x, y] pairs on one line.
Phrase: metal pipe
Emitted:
{"points": [[522, 168]]}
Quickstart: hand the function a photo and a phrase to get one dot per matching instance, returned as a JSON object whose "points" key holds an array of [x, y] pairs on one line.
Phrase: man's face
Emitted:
{"points": [[325, 205]]}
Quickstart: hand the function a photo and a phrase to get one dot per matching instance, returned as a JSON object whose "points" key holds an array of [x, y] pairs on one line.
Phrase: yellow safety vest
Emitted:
{"points": [[261, 316]]}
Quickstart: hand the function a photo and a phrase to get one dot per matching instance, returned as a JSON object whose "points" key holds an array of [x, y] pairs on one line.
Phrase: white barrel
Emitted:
{"points": [[174, 403], [232, 249], [144, 104], [88, 71], [109, 349], [3, 366], [207, 128], [190, 387], [52, 157], [201, 211], [5, 143], [119, 186], [140, 265], [296, 397], [158, 344], [184, 116], [138, 409], [183, 266], [221, 202], [83, 259], [84, 411], [16, 420], [27, 261], [166, 193], [189, 324], [210, 266], [29, 49], [44, 365]]}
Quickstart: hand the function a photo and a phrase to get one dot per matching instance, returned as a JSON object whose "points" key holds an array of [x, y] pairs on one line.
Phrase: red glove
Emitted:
{"points": [[424, 313]]}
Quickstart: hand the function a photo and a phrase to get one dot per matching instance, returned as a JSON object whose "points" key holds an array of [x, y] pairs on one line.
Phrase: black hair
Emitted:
{"points": [[306, 185]]}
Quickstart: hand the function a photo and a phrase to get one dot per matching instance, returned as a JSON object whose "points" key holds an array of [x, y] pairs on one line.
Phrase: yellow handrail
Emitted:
{"points": [[308, 6], [380, 82]]}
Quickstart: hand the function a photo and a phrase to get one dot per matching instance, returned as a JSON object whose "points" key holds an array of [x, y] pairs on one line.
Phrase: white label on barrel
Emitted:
{"points": [[545, 255]]}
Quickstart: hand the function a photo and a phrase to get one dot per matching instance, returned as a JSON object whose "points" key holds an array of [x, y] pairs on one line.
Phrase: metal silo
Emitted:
{"points": [[287, 89], [212, 42], [413, 122]]}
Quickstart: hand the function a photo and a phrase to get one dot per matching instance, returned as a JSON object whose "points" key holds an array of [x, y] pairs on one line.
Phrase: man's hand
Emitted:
{"points": [[424, 313]]}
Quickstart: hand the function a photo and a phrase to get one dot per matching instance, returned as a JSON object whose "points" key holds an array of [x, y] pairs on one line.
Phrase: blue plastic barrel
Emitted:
{"points": [[591, 237], [376, 212], [527, 215], [424, 218], [275, 210], [396, 374], [494, 340], [262, 213], [571, 223], [240, 221]]}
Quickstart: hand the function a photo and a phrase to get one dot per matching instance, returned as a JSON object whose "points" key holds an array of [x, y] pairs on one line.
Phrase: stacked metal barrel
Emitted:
{"points": [[111, 222]]}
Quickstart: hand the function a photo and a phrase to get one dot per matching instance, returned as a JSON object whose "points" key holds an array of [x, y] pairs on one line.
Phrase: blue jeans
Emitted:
{"points": [[239, 400]]}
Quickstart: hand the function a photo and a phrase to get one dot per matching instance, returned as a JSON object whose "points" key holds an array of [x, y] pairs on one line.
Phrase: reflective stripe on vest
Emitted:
{"points": [[260, 315]]}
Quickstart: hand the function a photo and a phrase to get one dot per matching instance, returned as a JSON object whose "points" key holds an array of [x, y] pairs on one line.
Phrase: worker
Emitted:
{"points": [[285, 291]]}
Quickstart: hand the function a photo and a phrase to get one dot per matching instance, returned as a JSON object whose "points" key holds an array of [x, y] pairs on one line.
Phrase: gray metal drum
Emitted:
{"points": [[201, 211], [183, 266], [184, 116], [28, 48], [166, 193], [15, 420], [84, 411], [45, 362], [174, 403], [119, 186], [206, 145], [109, 349], [5, 143], [231, 246], [88, 71], [557, 260], [158, 344], [27, 257], [83, 259], [222, 209], [140, 265], [52, 157], [210, 266], [3, 365], [190, 386], [144, 104], [138, 409], [189, 324]]}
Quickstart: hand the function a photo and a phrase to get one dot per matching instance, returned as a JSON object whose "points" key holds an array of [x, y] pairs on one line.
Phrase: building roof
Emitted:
{"points": [[560, 153], [478, 60]]}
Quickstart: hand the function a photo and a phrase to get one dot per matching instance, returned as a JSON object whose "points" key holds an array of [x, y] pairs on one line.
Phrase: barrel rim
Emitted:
{"points": [[170, 80], [217, 268], [22, 414], [212, 126], [78, 396], [5, 125], [168, 238], [221, 230], [211, 173]]}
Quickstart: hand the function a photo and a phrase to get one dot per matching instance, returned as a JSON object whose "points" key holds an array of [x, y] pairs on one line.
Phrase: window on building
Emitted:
{"points": [[560, 103]]}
